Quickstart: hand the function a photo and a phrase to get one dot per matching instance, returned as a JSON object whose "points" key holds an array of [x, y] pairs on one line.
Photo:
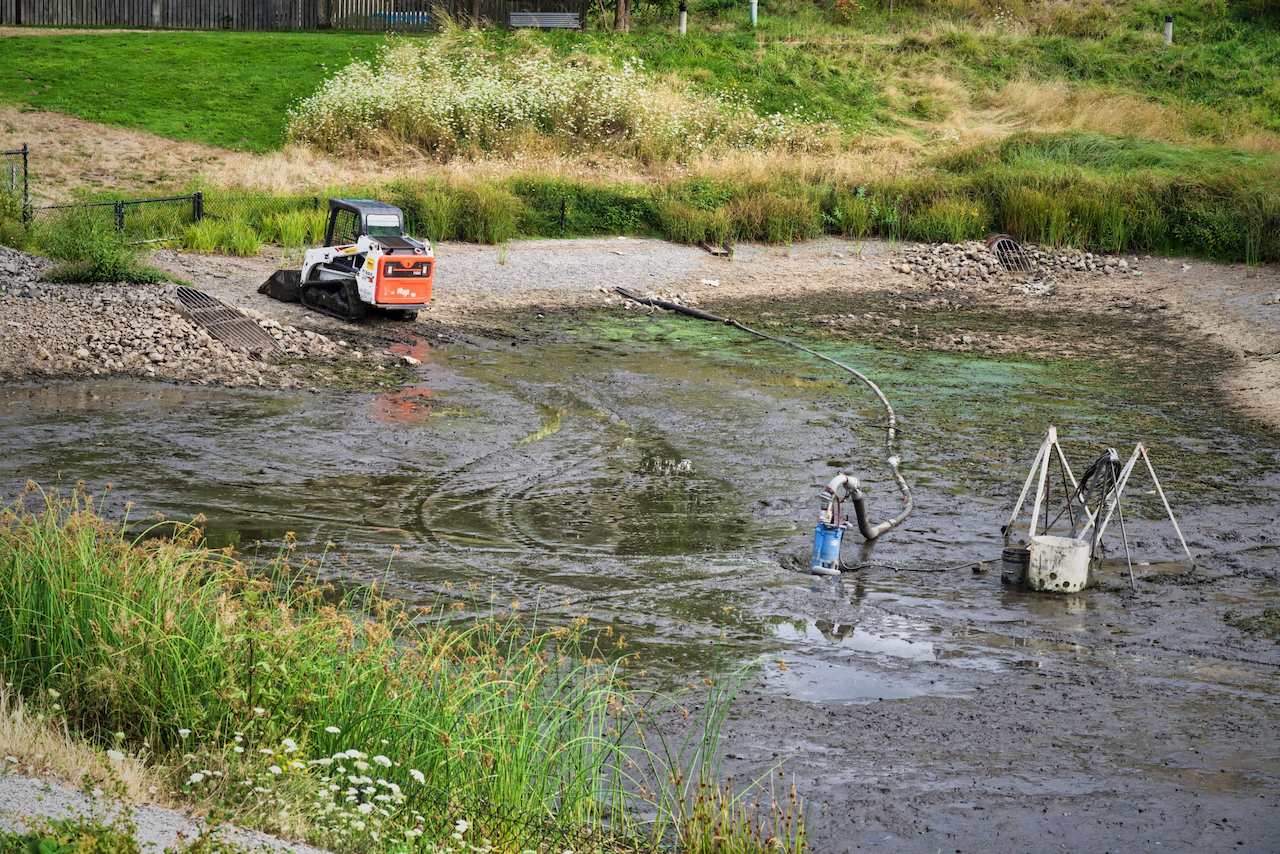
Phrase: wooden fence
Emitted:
{"points": [[378, 15]]}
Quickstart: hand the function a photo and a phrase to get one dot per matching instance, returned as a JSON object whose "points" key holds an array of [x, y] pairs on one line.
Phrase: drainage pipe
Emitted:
{"points": [[859, 507]]}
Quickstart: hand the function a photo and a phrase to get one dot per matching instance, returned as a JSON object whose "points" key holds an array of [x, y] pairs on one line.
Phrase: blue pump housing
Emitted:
{"points": [[826, 549]]}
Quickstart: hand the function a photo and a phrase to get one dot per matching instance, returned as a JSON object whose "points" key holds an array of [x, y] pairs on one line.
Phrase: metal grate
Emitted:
{"points": [[1012, 256], [229, 325], [544, 20]]}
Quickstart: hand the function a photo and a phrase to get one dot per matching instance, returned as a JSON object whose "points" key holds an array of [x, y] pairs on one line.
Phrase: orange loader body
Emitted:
{"points": [[403, 280]]}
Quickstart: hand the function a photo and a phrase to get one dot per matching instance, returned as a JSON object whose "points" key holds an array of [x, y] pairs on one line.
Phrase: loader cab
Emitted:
{"points": [[349, 219]]}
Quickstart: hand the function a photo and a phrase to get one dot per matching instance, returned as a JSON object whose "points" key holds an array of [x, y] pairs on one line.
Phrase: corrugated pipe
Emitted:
{"points": [[859, 504]]}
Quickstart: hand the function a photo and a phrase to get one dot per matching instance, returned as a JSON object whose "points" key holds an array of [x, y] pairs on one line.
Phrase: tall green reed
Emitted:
{"points": [[176, 647]]}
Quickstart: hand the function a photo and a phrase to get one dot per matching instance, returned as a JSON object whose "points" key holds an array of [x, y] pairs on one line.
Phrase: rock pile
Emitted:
{"points": [[949, 266], [49, 330]]}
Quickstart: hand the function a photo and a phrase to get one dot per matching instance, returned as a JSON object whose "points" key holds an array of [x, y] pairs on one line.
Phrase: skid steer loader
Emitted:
{"points": [[367, 263]]}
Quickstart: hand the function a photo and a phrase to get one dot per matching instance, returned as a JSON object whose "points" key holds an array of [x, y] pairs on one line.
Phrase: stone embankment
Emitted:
{"points": [[949, 266], [50, 330]]}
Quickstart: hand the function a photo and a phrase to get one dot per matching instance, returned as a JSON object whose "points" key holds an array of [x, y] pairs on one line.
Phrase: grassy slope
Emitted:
{"points": [[918, 73], [232, 89], [220, 88]]}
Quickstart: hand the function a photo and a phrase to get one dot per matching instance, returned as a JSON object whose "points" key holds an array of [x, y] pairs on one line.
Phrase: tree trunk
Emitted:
{"points": [[475, 13], [622, 15]]}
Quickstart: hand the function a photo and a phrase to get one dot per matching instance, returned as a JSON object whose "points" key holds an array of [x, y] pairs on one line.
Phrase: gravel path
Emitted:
{"points": [[565, 266], [158, 828]]}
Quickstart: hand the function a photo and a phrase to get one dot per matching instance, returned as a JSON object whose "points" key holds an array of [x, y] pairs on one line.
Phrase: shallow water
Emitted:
{"points": [[650, 472]]}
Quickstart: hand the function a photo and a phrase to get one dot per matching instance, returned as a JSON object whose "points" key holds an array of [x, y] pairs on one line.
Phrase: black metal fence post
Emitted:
{"points": [[120, 216], [197, 206], [26, 198], [563, 207]]}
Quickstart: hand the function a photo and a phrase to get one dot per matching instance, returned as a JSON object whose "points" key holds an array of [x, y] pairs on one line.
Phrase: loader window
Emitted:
{"points": [[382, 225], [346, 228]]}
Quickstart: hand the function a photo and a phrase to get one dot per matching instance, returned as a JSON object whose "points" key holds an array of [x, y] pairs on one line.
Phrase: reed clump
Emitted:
{"points": [[343, 717]]}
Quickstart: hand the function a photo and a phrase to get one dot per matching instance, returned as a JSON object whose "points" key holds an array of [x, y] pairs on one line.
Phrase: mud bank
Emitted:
{"points": [[653, 473]]}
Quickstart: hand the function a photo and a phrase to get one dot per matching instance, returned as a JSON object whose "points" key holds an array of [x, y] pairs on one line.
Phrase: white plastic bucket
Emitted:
{"points": [[1058, 564]]}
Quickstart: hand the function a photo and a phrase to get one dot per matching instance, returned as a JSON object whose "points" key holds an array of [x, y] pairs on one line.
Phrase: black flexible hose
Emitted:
{"points": [[869, 531]]}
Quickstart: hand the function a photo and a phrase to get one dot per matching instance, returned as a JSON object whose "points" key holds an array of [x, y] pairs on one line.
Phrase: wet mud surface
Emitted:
{"points": [[656, 475]]}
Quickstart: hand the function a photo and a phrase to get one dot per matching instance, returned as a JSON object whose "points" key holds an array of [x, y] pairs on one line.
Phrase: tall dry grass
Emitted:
{"points": [[35, 740]]}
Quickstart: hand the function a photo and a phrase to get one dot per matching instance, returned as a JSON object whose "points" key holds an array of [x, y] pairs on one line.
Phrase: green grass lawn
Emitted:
{"points": [[228, 89]]}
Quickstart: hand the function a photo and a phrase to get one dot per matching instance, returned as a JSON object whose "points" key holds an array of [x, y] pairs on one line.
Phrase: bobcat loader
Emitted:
{"points": [[367, 263]]}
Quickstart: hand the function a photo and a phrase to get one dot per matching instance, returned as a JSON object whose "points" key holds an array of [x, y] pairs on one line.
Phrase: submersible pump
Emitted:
{"points": [[829, 533]]}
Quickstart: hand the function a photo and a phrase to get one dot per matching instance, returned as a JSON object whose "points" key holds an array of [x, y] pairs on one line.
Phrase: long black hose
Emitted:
{"points": [[869, 531]]}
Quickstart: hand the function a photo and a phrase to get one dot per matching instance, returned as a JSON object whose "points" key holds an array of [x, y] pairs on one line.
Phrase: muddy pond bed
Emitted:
{"points": [[655, 474]]}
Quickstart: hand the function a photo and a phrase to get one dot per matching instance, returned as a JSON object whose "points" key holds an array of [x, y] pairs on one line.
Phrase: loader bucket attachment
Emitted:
{"points": [[283, 285]]}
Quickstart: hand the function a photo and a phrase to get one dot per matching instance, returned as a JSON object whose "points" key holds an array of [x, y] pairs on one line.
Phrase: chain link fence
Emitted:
{"points": [[14, 188]]}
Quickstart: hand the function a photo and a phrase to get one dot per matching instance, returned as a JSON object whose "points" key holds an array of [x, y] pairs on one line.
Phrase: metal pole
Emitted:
{"points": [[120, 216], [1026, 488], [563, 207], [754, 4], [1168, 29], [1160, 491], [197, 206], [26, 198], [1124, 535], [684, 17], [1051, 439]]}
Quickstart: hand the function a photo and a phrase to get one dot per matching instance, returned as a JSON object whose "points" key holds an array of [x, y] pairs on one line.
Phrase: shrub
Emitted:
{"points": [[15, 234], [443, 98], [91, 249]]}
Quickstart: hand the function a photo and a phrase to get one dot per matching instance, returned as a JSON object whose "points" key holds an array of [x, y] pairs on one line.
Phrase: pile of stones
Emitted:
{"points": [[49, 330], [948, 266]]}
